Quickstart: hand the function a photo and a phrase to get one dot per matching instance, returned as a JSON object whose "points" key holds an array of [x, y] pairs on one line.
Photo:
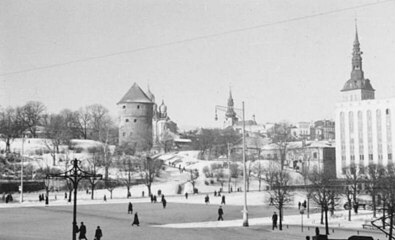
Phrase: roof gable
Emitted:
{"points": [[135, 95]]}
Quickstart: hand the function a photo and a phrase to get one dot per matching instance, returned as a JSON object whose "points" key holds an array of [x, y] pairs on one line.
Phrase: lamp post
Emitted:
{"points": [[245, 211], [74, 175]]}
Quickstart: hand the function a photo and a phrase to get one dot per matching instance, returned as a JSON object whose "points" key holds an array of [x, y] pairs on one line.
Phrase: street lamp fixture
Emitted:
{"points": [[245, 211], [76, 174]]}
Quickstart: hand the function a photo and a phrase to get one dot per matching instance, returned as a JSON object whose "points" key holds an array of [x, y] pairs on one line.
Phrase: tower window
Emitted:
{"points": [[138, 106], [135, 120]]}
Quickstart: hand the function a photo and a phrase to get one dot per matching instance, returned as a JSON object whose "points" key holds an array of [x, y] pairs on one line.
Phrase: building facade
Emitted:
{"points": [[323, 130], [135, 119], [364, 126]]}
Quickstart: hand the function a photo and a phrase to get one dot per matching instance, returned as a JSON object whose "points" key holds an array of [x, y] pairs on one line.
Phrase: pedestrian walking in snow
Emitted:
{"points": [[274, 220], [186, 195], [299, 204], [155, 199], [164, 202], [223, 200], [220, 213], [207, 199], [136, 220], [130, 208], [82, 231], [215, 193], [98, 233]]}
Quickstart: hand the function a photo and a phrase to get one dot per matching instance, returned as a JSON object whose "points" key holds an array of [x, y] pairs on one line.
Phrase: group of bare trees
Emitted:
{"points": [[90, 122]]}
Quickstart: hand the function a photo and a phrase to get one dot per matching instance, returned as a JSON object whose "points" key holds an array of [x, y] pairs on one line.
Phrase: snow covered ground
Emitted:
{"points": [[169, 182]]}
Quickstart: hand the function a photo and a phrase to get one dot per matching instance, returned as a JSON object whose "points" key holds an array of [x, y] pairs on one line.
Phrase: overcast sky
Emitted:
{"points": [[287, 60]]}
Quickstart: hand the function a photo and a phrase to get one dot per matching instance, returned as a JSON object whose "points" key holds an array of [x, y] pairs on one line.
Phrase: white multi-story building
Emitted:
{"points": [[364, 126]]}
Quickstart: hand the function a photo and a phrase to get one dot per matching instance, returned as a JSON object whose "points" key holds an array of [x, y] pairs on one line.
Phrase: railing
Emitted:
{"points": [[378, 223]]}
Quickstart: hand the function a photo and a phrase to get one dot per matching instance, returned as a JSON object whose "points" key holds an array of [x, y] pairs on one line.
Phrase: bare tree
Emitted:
{"points": [[258, 170], [31, 115], [150, 169], [387, 183], [324, 192], [280, 191], [56, 133], [11, 126], [83, 120], [94, 162], [127, 164], [281, 136], [354, 178], [374, 174], [100, 121], [235, 172]]}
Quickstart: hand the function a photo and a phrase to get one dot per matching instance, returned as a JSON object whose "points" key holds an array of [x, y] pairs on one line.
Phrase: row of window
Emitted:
{"points": [[369, 126], [124, 107]]}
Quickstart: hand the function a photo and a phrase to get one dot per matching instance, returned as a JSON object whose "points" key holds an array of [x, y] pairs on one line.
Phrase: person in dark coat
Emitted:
{"points": [[215, 193], [164, 202], [220, 213], [186, 195], [163, 198], [207, 199], [152, 198], [299, 204], [82, 231], [274, 220], [136, 220], [155, 199], [130, 208], [98, 233], [46, 200], [223, 199]]}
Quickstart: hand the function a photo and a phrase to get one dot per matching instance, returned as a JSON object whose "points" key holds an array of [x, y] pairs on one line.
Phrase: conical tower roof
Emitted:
{"points": [[135, 95]]}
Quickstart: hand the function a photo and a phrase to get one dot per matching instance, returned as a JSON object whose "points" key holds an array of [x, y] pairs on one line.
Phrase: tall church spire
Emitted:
{"points": [[230, 112], [356, 63], [357, 87]]}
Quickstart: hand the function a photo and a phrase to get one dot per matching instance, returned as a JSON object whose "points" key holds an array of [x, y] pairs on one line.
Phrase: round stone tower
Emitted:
{"points": [[135, 119]]}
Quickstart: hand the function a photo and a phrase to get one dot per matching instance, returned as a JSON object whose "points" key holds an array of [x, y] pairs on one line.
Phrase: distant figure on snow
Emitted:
{"points": [[98, 233], [223, 199], [130, 208], [274, 219], [136, 220], [164, 202], [186, 195], [220, 213], [207, 199], [215, 193]]}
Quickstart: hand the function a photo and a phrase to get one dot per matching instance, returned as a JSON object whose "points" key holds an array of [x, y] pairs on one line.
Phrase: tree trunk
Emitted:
{"points": [[322, 214], [326, 221], [128, 191], [93, 190], [70, 192], [280, 209], [149, 189], [374, 203], [8, 146], [391, 215], [260, 180], [349, 210]]}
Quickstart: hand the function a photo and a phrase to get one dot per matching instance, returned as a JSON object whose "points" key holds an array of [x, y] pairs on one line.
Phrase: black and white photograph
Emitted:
{"points": [[197, 119]]}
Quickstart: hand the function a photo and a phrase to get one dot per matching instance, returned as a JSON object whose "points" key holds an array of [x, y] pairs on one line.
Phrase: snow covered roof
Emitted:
{"points": [[299, 144], [135, 95]]}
